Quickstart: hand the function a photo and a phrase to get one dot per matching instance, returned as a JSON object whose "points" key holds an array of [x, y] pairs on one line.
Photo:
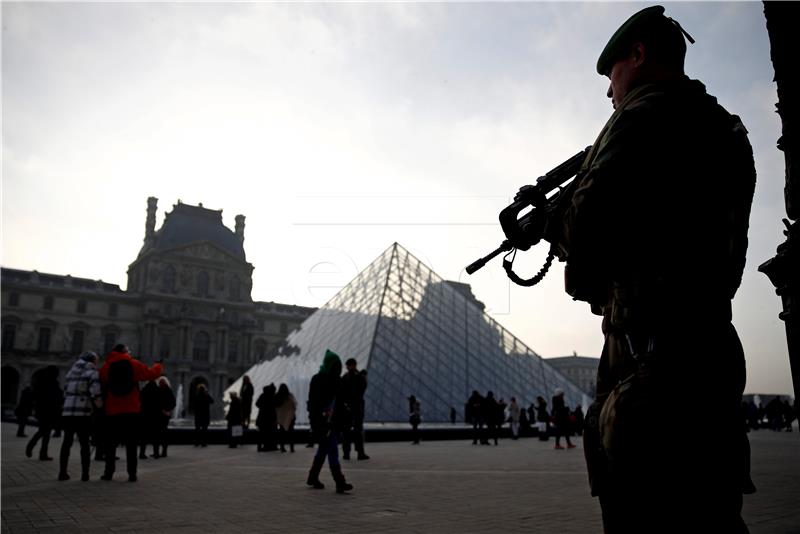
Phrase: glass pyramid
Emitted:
{"points": [[415, 334]]}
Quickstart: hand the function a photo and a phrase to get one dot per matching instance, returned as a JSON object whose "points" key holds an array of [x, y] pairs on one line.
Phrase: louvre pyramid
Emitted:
{"points": [[415, 334]]}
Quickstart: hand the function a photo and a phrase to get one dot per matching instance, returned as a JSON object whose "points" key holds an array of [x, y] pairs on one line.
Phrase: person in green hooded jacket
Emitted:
{"points": [[323, 391]]}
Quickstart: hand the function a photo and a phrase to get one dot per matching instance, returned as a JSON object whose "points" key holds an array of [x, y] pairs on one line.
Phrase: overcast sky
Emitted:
{"points": [[338, 129]]}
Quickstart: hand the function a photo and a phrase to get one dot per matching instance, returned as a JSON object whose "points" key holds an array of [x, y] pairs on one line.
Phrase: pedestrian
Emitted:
{"points": [[266, 419], [202, 415], [578, 417], [490, 414], [452, 415], [285, 412], [322, 397], [475, 408], [167, 403], [82, 395], [561, 419], [514, 417], [414, 418], [234, 419], [150, 401], [47, 401], [246, 393], [120, 376], [542, 419], [524, 422], [23, 410], [354, 385], [661, 263]]}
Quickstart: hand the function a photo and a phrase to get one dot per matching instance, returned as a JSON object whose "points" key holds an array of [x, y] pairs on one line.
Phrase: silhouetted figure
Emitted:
{"points": [[202, 415], [752, 415], [23, 410], [234, 419], [246, 393], [167, 403], [414, 418], [120, 376], [322, 399], [661, 260], [542, 418], [514, 412], [47, 401], [150, 401], [351, 410], [82, 395], [524, 422], [490, 409], [788, 415], [285, 411], [578, 419], [774, 413], [266, 419], [452, 415], [561, 419], [475, 409]]}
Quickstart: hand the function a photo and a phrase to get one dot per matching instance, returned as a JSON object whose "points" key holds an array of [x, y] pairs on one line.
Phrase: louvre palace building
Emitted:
{"points": [[188, 302]]}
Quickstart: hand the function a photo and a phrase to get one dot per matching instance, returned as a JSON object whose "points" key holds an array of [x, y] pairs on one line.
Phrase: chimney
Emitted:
{"points": [[150, 222], [240, 227]]}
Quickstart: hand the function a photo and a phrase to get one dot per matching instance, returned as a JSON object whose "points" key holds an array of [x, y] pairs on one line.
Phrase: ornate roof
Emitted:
{"points": [[187, 224]]}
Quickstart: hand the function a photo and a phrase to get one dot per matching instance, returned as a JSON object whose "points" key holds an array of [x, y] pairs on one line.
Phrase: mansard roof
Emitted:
{"points": [[58, 281], [187, 224]]}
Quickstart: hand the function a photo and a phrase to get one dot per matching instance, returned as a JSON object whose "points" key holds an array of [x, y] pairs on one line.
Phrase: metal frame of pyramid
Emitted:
{"points": [[415, 334]]}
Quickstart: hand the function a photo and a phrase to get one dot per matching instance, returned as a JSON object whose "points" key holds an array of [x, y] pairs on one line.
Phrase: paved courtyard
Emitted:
{"points": [[439, 486]]}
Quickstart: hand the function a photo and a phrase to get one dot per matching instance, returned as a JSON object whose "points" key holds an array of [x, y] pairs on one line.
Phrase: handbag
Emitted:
{"points": [[237, 431]]}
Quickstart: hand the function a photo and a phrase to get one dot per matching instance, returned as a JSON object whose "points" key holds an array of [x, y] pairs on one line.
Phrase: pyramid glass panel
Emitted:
{"points": [[415, 334]]}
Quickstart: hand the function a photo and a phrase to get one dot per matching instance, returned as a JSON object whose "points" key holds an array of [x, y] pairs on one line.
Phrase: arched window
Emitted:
{"points": [[202, 284], [202, 342], [168, 281]]}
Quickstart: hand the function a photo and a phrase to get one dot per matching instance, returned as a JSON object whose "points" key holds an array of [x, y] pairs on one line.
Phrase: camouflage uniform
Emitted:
{"points": [[654, 233]]}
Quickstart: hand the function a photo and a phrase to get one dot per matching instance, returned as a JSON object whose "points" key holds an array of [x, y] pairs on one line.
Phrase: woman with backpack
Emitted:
{"points": [[120, 376]]}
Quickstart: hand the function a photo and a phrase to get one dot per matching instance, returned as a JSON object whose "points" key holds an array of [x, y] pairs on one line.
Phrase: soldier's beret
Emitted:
{"points": [[651, 22]]}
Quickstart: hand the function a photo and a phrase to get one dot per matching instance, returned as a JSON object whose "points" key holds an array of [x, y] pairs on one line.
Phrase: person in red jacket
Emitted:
{"points": [[120, 377]]}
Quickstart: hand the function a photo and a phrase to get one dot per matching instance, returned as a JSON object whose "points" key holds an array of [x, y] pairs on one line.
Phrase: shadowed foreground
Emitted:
{"points": [[439, 486]]}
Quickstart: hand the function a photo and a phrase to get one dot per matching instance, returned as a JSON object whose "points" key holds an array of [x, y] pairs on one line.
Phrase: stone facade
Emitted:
{"points": [[581, 370], [188, 302]]}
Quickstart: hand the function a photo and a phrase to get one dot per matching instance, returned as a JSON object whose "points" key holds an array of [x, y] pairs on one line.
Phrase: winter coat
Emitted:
{"points": [[234, 415], [129, 403], [286, 412], [202, 408], [322, 394], [82, 390]]}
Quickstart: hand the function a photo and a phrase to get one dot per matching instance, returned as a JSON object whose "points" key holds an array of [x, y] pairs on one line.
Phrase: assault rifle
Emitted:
{"points": [[522, 219]]}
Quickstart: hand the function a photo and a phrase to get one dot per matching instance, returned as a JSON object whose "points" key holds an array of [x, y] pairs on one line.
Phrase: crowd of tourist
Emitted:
{"points": [[124, 402]]}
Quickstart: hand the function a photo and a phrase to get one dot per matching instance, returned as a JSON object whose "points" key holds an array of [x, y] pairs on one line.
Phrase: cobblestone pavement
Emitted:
{"points": [[444, 486]]}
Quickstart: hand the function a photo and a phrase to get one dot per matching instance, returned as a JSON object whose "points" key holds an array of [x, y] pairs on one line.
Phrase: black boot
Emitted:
{"points": [[313, 474], [341, 484]]}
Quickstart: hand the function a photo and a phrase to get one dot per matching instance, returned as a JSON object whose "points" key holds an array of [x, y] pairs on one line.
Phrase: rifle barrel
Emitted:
{"points": [[478, 264]]}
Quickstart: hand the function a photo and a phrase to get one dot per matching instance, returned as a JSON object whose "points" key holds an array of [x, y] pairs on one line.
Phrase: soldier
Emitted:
{"points": [[654, 233]]}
